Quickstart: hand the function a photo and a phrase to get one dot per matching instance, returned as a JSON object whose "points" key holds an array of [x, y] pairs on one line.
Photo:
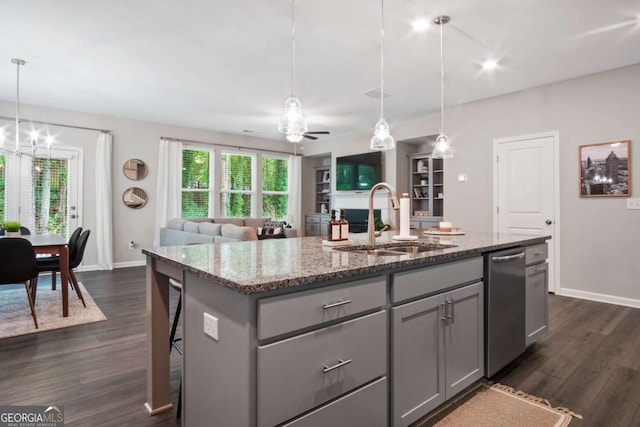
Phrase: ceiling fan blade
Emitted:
{"points": [[313, 138], [319, 132]]}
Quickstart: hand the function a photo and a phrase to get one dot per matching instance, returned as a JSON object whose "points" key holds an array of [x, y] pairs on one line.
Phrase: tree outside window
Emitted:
{"points": [[195, 183], [236, 185], [275, 187], [232, 187], [2, 179]]}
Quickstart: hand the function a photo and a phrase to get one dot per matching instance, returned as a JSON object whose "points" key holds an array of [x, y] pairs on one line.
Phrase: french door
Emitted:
{"points": [[42, 191]]}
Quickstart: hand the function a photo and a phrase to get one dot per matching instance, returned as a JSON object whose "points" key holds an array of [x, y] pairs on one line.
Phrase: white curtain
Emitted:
{"points": [[104, 214], [169, 184], [294, 212]]}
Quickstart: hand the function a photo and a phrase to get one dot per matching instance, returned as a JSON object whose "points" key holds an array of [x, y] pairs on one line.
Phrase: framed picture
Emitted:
{"points": [[326, 176], [605, 169]]}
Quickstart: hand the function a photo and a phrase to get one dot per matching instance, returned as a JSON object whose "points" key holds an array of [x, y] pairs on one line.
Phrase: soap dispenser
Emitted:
{"points": [[333, 228]]}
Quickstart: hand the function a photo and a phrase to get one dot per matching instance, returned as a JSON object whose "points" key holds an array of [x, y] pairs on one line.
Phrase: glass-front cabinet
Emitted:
{"points": [[426, 179]]}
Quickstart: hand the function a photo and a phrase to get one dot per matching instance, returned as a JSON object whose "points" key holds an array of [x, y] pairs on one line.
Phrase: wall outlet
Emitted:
{"points": [[462, 177], [633, 203], [211, 326]]}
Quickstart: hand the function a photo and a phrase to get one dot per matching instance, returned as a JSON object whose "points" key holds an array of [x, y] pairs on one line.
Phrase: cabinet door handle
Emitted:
{"points": [[540, 269], [443, 308], [451, 311], [336, 366], [336, 304]]}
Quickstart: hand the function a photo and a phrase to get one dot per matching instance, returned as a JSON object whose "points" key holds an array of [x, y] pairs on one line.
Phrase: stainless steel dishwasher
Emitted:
{"points": [[504, 308]]}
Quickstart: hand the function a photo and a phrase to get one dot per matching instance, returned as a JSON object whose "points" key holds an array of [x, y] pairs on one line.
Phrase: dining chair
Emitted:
{"points": [[73, 247], [19, 265], [75, 258]]}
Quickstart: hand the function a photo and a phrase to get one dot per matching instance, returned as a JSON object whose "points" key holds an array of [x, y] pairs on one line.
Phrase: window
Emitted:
{"points": [[49, 178], [229, 184], [236, 185], [275, 187], [195, 183], [2, 179]]}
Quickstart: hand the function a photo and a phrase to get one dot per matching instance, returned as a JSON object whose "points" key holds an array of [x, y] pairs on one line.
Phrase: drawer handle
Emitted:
{"points": [[507, 258], [336, 366], [540, 269], [336, 304], [538, 253]]}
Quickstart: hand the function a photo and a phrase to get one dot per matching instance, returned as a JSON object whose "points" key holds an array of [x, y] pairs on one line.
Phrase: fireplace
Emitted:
{"points": [[358, 219]]}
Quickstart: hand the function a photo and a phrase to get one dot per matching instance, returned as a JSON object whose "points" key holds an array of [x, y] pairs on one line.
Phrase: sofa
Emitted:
{"points": [[181, 231]]}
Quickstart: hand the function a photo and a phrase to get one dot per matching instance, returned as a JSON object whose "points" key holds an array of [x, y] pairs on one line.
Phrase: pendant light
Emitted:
{"points": [[292, 122], [443, 148], [34, 136], [382, 139]]}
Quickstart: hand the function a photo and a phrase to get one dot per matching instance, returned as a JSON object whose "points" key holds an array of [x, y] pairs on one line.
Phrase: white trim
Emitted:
{"points": [[593, 296], [125, 264], [555, 135]]}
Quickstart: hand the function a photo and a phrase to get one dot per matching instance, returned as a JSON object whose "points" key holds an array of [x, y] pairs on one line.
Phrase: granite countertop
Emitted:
{"points": [[264, 265]]}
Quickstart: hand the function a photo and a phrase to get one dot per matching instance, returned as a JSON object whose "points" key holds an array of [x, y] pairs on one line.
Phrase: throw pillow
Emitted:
{"points": [[272, 228]]}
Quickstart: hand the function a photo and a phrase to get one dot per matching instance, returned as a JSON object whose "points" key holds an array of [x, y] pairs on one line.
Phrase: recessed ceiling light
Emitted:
{"points": [[420, 25], [490, 65]]}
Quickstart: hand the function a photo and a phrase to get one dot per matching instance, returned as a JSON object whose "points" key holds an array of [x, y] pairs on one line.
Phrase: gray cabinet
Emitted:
{"points": [[537, 293], [438, 350], [318, 345], [316, 224]]}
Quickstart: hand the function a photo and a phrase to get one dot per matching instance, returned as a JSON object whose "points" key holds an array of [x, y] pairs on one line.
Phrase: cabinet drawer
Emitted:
{"points": [[536, 253], [287, 313], [428, 280], [537, 304], [365, 407], [313, 219], [300, 373]]}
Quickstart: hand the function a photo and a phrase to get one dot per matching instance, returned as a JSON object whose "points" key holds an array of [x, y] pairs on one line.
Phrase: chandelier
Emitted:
{"points": [[33, 136]]}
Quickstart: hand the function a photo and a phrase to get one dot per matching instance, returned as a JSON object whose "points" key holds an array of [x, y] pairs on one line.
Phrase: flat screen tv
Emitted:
{"points": [[358, 172]]}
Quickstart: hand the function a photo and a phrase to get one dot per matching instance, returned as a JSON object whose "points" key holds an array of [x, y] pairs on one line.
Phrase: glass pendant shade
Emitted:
{"points": [[382, 139], [443, 148], [292, 122]]}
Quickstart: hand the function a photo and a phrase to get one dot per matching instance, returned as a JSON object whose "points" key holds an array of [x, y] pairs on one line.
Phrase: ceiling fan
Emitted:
{"points": [[309, 135]]}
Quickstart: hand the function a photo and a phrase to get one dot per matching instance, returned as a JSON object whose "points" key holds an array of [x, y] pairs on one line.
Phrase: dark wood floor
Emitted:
{"points": [[589, 361]]}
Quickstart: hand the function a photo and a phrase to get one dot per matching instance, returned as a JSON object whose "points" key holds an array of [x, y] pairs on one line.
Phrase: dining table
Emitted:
{"points": [[53, 244]]}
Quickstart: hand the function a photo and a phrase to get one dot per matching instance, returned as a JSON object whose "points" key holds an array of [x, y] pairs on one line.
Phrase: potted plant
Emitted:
{"points": [[12, 229]]}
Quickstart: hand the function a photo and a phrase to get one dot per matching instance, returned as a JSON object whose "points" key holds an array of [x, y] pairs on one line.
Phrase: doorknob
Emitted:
{"points": [[548, 222]]}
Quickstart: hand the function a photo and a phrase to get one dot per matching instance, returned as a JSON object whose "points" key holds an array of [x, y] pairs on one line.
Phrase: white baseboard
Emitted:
{"points": [[96, 267], [593, 296], [126, 264]]}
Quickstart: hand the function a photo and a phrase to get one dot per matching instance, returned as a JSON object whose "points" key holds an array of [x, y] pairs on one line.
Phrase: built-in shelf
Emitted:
{"points": [[426, 181]]}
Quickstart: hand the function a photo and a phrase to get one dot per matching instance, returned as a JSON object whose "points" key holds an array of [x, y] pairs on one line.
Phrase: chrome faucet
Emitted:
{"points": [[371, 227]]}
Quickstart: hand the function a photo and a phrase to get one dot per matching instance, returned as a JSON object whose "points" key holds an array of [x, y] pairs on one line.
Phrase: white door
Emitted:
{"points": [[525, 190], [42, 192]]}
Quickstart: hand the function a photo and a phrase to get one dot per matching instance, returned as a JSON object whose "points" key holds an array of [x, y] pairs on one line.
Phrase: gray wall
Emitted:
{"points": [[600, 238], [131, 139]]}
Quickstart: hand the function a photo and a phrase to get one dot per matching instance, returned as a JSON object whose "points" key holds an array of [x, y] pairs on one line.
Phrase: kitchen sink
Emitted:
{"points": [[394, 249]]}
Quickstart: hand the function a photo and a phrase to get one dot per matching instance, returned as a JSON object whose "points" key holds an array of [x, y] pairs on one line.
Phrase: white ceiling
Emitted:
{"points": [[224, 64]]}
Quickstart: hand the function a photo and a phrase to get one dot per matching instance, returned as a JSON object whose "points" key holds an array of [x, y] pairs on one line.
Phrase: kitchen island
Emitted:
{"points": [[300, 334]]}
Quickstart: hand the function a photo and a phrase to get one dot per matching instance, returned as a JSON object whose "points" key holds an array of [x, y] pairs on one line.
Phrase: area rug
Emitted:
{"points": [[15, 316], [498, 405]]}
